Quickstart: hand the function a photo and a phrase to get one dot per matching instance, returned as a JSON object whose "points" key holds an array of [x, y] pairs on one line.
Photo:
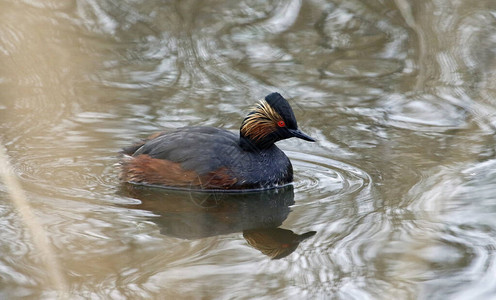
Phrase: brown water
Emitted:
{"points": [[400, 187]]}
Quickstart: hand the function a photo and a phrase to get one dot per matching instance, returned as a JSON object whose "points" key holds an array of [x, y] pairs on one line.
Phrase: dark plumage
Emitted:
{"points": [[216, 159]]}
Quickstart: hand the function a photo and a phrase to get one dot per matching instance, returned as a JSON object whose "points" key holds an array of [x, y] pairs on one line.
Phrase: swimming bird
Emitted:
{"points": [[209, 158]]}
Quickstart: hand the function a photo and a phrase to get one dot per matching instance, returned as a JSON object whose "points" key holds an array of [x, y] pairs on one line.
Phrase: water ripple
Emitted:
{"points": [[325, 177], [456, 203], [400, 187], [424, 112]]}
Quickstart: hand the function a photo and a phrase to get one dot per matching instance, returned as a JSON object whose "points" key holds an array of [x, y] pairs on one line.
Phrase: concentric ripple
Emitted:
{"points": [[323, 177]]}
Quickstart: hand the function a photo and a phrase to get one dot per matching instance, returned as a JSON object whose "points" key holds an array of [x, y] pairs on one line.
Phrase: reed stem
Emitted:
{"points": [[36, 231]]}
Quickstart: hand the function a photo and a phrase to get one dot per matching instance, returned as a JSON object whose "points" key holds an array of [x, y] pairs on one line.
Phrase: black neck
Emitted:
{"points": [[250, 145]]}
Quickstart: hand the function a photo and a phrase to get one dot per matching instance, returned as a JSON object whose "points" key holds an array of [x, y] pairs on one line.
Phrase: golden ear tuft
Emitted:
{"points": [[261, 121]]}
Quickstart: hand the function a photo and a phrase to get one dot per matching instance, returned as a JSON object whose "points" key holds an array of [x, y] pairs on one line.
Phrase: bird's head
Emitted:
{"points": [[271, 120]]}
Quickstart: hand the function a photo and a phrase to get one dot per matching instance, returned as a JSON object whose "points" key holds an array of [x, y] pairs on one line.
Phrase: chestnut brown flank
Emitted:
{"points": [[145, 169]]}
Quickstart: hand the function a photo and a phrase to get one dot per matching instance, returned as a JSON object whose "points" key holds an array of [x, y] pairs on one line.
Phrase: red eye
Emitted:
{"points": [[281, 124]]}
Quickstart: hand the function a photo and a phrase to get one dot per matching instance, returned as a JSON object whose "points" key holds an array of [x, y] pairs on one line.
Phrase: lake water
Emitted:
{"points": [[395, 200]]}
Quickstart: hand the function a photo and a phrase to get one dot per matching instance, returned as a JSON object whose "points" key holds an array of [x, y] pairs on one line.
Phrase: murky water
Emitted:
{"points": [[396, 200]]}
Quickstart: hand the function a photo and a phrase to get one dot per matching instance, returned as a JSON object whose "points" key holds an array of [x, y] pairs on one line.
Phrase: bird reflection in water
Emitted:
{"points": [[195, 215], [275, 242]]}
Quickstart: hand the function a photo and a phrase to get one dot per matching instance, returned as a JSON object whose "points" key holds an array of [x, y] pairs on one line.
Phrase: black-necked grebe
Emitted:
{"points": [[209, 158]]}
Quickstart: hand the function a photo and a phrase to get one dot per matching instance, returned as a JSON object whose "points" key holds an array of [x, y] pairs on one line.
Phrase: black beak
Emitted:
{"points": [[297, 133]]}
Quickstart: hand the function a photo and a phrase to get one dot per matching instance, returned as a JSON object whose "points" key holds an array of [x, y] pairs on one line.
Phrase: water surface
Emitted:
{"points": [[395, 200]]}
